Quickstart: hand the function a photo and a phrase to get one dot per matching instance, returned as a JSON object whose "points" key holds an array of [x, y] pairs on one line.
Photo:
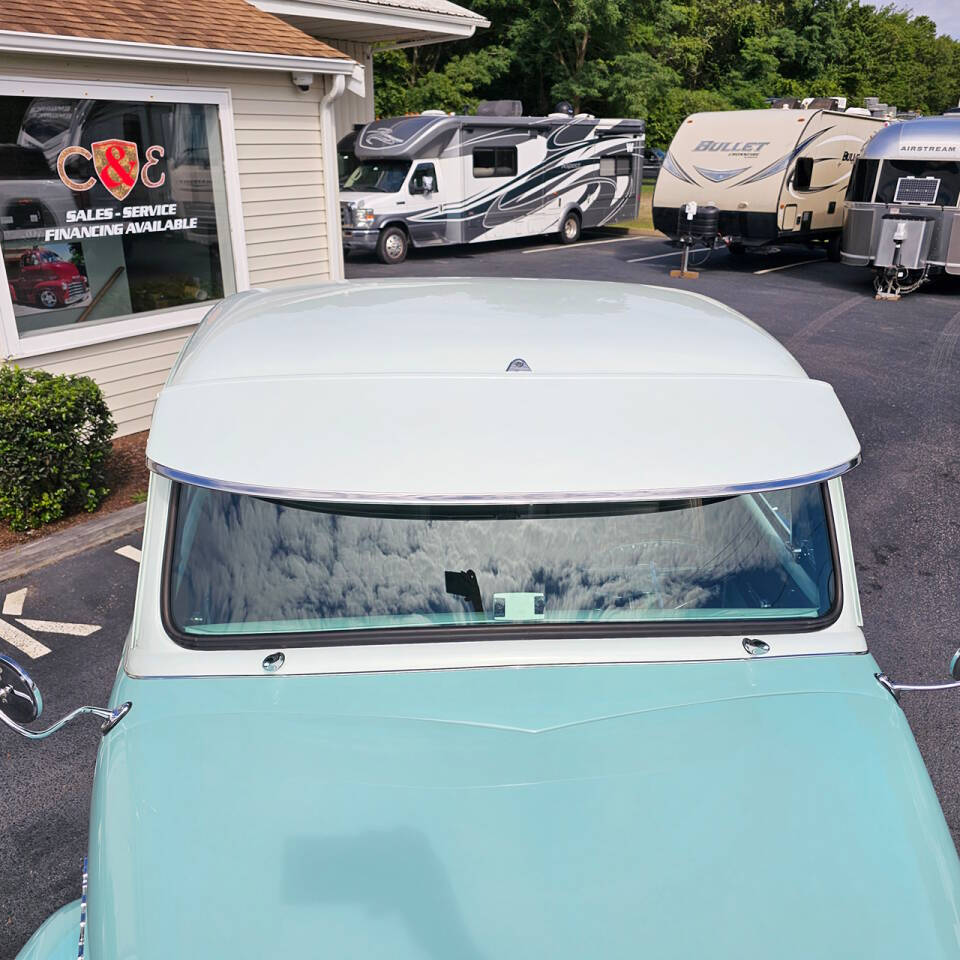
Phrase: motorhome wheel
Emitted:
{"points": [[393, 245], [570, 228]]}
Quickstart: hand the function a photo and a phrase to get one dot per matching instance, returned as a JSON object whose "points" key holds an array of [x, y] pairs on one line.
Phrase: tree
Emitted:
{"points": [[657, 58]]}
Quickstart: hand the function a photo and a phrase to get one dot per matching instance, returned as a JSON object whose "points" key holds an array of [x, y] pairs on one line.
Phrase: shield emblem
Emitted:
{"points": [[117, 163]]}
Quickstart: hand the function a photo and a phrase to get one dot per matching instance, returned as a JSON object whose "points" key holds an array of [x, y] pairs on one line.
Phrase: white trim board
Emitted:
{"points": [[16, 42]]}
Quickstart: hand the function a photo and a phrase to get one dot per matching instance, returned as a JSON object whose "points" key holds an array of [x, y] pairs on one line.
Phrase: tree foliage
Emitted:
{"points": [[661, 59]]}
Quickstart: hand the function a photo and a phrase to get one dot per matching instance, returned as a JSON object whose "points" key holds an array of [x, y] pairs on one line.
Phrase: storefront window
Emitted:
{"points": [[110, 209]]}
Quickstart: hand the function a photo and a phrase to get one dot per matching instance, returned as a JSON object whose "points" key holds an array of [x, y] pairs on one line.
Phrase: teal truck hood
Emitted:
{"points": [[754, 809]]}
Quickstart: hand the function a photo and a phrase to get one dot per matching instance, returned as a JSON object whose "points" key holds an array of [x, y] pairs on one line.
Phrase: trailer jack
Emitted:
{"points": [[685, 272], [889, 287], [896, 280]]}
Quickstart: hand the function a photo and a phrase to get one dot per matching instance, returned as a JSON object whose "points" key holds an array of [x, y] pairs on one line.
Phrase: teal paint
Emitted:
{"points": [[774, 807], [57, 938]]}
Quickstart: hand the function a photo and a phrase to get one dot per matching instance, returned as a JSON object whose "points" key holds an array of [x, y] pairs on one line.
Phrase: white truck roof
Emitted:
{"points": [[399, 392]]}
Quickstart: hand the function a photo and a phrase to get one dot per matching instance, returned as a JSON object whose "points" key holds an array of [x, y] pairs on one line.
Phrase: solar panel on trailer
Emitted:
{"points": [[916, 190]]}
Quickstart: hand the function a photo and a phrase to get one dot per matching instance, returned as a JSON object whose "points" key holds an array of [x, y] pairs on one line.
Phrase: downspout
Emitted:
{"points": [[331, 190]]}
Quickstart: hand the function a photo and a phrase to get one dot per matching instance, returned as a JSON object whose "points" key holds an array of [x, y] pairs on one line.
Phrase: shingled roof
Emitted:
{"points": [[203, 24]]}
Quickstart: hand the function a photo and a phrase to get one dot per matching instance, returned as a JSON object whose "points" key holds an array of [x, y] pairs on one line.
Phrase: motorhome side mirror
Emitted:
{"points": [[20, 700], [428, 185]]}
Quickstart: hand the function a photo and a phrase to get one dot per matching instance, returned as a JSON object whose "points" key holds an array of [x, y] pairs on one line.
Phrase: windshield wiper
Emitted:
{"points": [[463, 583]]}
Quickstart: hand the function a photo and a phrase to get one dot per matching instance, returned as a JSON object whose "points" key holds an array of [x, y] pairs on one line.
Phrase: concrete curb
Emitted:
{"points": [[27, 557]]}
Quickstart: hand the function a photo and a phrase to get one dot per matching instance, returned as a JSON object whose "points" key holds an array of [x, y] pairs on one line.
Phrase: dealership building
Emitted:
{"points": [[156, 157]]}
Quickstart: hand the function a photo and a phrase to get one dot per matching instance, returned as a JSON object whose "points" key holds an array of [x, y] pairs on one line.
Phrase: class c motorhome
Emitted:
{"points": [[435, 179], [765, 176], [902, 218]]}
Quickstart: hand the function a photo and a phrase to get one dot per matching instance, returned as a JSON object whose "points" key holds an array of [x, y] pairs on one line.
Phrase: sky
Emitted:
{"points": [[944, 13]]}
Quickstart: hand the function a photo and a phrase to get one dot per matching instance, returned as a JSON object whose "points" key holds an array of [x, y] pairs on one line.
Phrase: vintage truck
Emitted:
{"points": [[40, 277]]}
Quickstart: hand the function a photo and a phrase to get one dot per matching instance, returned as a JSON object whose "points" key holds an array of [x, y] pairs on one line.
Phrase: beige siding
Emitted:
{"points": [[130, 372], [281, 173]]}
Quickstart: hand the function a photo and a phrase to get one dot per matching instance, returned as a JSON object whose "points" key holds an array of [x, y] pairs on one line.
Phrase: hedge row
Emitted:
{"points": [[54, 440]]}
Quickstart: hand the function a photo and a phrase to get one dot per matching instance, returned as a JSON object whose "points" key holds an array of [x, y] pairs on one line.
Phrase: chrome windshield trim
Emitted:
{"points": [[468, 499]]}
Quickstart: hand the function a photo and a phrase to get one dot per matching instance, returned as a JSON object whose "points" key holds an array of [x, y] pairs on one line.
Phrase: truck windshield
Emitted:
{"points": [[382, 176], [242, 566]]}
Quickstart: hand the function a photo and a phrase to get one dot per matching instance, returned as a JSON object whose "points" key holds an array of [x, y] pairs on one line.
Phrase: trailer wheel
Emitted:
{"points": [[833, 249], [392, 246], [570, 228]]}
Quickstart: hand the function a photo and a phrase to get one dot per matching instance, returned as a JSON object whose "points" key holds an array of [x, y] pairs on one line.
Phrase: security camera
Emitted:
{"points": [[302, 81]]}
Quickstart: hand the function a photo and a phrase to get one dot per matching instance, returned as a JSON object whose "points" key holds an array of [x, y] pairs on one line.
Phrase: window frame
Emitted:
{"points": [[616, 159], [405, 636], [13, 346], [494, 176], [413, 172]]}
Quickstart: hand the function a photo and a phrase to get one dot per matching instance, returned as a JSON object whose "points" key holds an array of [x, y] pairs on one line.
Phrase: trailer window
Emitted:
{"points": [[862, 180], [615, 167], [803, 173], [946, 171], [495, 162]]}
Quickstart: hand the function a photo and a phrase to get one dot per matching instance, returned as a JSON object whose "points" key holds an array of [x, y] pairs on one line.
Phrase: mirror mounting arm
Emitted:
{"points": [[895, 689], [110, 717]]}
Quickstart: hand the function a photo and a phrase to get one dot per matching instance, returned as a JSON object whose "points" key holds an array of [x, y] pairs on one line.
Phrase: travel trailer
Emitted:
{"points": [[433, 179], [901, 211], [762, 176]]}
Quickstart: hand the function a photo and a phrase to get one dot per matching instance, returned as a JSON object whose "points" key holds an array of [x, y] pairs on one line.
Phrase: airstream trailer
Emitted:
{"points": [[901, 208], [771, 175]]}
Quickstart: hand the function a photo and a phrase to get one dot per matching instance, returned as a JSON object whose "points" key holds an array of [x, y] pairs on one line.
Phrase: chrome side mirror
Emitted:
{"points": [[20, 702], [897, 688]]}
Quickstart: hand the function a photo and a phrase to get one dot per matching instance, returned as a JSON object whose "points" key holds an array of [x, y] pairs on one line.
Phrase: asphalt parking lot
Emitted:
{"points": [[894, 366]]}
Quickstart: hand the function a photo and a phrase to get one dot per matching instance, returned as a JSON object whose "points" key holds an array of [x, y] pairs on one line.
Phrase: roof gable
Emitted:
{"points": [[233, 25]]}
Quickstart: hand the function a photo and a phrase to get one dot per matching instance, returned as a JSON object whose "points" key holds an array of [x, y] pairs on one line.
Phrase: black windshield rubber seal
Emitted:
{"points": [[385, 636]]}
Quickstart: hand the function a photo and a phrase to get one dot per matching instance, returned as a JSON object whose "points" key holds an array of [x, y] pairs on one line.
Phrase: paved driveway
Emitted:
{"points": [[895, 367]]}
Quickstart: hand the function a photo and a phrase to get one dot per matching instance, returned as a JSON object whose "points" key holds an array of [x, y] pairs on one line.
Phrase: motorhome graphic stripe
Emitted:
{"points": [[503, 196]]}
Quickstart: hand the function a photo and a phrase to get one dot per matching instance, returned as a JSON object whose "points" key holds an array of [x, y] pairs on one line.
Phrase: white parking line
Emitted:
{"points": [[131, 553], [55, 626], [17, 638], [583, 243], [787, 266], [13, 602], [656, 256]]}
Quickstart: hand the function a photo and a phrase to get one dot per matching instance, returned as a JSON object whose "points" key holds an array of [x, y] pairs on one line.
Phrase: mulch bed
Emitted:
{"points": [[127, 477]]}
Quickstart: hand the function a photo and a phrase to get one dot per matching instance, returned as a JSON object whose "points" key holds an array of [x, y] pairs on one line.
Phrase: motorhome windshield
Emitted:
{"points": [[382, 176], [942, 176], [241, 566]]}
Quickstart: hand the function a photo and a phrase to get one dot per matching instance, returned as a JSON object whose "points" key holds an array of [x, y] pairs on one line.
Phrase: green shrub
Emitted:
{"points": [[54, 440]]}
